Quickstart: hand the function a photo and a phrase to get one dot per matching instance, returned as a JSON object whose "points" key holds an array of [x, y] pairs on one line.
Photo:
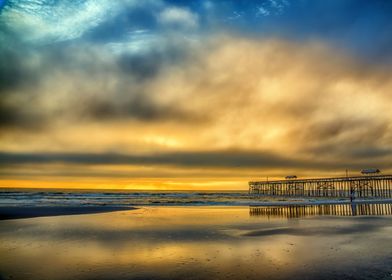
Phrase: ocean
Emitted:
{"points": [[56, 197], [129, 198]]}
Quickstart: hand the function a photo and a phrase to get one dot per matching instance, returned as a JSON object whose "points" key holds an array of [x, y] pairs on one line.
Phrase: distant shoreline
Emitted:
{"points": [[21, 212]]}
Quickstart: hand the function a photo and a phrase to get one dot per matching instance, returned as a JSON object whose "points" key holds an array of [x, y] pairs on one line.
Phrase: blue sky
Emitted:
{"points": [[357, 25]]}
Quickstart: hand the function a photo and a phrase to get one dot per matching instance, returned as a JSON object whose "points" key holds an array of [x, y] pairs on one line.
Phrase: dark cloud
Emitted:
{"points": [[16, 69], [20, 71], [11, 70], [360, 139], [210, 159], [148, 64], [19, 117], [138, 107], [370, 152], [141, 66], [86, 71]]}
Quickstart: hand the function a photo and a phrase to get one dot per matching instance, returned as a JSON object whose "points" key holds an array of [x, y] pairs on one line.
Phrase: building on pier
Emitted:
{"points": [[370, 171]]}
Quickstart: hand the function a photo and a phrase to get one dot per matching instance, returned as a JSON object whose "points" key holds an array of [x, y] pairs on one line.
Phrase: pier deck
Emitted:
{"points": [[358, 186]]}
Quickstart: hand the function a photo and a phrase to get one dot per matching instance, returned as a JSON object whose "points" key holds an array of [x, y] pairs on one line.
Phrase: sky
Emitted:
{"points": [[197, 95]]}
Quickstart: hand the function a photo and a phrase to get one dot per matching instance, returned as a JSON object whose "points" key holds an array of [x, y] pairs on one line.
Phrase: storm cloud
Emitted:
{"points": [[211, 159]]}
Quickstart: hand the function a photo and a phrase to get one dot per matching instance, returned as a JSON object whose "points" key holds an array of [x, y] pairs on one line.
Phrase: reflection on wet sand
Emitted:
{"points": [[199, 243], [298, 211]]}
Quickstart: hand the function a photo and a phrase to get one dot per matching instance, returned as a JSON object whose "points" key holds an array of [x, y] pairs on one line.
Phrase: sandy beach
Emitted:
{"points": [[197, 243], [20, 212]]}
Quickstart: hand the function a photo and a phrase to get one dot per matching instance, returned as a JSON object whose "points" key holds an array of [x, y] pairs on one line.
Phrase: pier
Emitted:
{"points": [[372, 186]]}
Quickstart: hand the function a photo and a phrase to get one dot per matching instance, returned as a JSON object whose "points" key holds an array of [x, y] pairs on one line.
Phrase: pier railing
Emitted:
{"points": [[359, 186]]}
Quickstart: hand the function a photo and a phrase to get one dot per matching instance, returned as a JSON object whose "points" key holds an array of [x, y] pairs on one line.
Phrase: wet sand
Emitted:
{"points": [[21, 212], [197, 243]]}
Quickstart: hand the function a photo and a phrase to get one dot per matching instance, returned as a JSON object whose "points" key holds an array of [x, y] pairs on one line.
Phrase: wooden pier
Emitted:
{"points": [[379, 186]]}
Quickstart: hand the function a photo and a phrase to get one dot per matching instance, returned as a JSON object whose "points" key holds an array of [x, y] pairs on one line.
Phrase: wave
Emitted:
{"points": [[123, 198]]}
